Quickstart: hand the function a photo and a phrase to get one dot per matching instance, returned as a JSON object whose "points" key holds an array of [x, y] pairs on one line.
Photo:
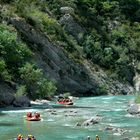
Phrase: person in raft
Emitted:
{"points": [[88, 138], [20, 137], [31, 137], [97, 137], [29, 115], [37, 115]]}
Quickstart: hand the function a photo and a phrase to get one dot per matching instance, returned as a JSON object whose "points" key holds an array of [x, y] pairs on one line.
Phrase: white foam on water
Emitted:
{"points": [[50, 120], [118, 109], [106, 110], [119, 102], [117, 134], [105, 102], [123, 99], [42, 120], [20, 111], [107, 98], [66, 124], [129, 115], [71, 136]]}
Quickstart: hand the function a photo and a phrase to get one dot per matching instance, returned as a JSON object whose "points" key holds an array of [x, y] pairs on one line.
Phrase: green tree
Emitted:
{"points": [[4, 72], [30, 73], [46, 88], [37, 86], [21, 90], [13, 53], [129, 8]]}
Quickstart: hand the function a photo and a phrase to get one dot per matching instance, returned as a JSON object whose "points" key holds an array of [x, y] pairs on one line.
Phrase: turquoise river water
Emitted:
{"points": [[58, 122]]}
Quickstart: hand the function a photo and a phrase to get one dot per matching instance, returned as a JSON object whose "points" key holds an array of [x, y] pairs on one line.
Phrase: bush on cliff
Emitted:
{"points": [[37, 86], [14, 55]]}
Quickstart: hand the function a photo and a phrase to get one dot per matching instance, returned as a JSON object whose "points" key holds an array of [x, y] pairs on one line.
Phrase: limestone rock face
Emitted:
{"points": [[70, 76], [6, 94], [137, 82], [72, 27], [66, 10]]}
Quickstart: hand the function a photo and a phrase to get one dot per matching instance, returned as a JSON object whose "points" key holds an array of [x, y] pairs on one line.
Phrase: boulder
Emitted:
{"points": [[6, 94], [66, 10], [134, 109], [77, 124], [21, 101], [119, 131], [91, 121]]}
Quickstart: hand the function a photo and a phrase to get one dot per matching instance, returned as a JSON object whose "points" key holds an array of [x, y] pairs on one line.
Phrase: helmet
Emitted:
{"points": [[29, 136], [88, 137], [19, 135]]}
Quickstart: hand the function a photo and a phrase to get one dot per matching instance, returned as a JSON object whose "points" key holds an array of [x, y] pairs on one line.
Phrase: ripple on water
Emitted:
{"points": [[2, 124], [50, 120], [105, 102], [66, 124]]}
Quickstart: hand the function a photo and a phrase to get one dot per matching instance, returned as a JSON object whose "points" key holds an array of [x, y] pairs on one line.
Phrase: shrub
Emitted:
{"points": [[21, 90], [30, 73], [37, 86], [13, 53], [2, 65], [4, 72], [46, 88], [102, 90]]}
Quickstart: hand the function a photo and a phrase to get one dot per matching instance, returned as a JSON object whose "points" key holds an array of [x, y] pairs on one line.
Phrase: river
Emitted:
{"points": [[60, 123]]}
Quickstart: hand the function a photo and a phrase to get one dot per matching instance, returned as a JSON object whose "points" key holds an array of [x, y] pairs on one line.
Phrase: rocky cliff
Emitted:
{"points": [[70, 76], [80, 78]]}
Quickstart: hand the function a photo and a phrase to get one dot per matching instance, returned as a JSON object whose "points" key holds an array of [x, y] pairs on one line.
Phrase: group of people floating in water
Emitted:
{"points": [[30, 115], [33, 117], [29, 137], [36, 116], [64, 101], [96, 138]]}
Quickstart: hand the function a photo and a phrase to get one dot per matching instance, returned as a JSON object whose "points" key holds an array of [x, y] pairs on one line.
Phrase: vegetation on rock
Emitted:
{"points": [[15, 65]]}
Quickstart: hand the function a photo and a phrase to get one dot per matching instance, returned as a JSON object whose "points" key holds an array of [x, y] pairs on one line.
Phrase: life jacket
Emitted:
{"points": [[37, 115], [19, 138], [29, 114]]}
